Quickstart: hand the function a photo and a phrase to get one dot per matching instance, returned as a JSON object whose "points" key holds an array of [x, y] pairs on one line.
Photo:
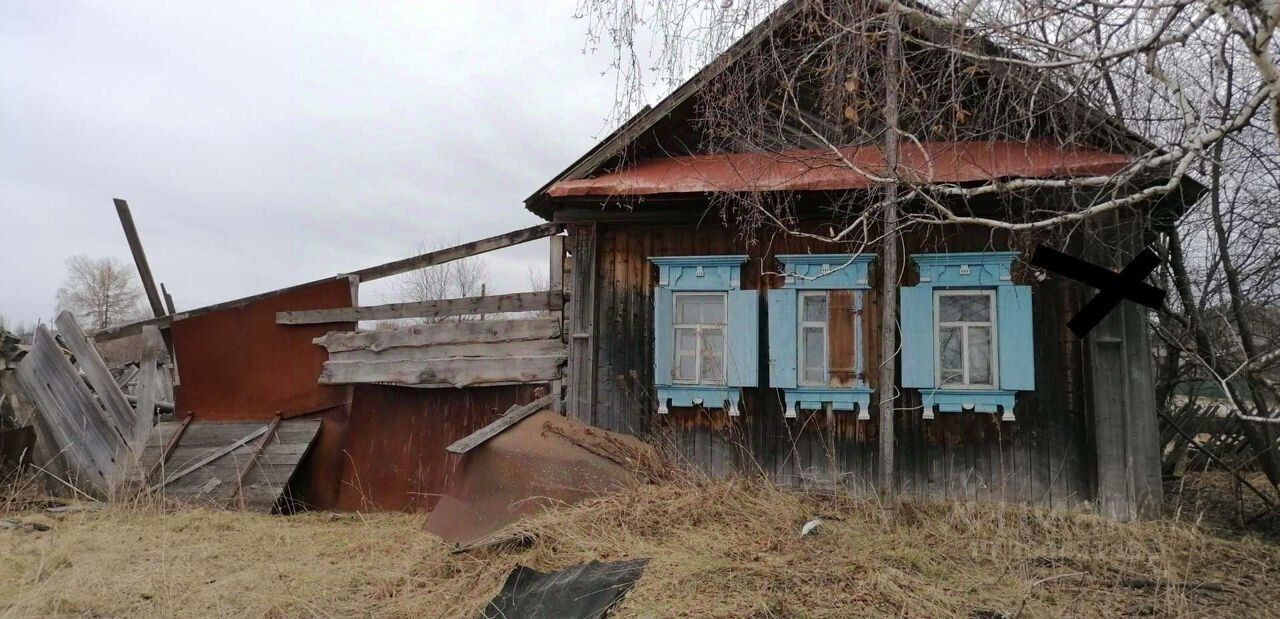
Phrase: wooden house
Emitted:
{"points": [[751, 349]]}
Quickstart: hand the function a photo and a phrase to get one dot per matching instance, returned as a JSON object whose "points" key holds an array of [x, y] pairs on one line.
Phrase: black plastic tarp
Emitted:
{"points": [[584, 591]]}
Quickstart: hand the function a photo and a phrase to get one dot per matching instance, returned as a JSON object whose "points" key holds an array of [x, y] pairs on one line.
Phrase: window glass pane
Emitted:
{"points": [[815, 308], [688, 310], [685, 368], [686, 355], [980, 355], [950, 355], [686, 340], [713, 310], [964, 308], [707, 309], [712, 356], [814, 355]]}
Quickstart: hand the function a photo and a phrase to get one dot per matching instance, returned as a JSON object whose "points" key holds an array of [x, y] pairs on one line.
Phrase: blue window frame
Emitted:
{"points": [[967, 334], [800, 362], [706, 332]]}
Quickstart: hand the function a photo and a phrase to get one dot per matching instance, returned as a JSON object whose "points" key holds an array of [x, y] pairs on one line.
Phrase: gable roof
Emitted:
{"points": [[674, 108]]}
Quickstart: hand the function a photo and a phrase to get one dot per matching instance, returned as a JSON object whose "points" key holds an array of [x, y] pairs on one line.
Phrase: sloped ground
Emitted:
{"points": [[718, 549]]}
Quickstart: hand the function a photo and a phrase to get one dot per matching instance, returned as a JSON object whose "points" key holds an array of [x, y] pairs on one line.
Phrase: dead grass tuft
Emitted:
{"points": [[726, 548]]}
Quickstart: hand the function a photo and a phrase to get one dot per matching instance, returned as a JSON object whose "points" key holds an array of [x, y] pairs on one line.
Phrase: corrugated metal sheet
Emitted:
{"points": [[817, 170]]}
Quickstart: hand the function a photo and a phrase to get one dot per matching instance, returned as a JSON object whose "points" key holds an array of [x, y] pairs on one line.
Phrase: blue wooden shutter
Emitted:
{"points": [[917, 337], [742, 339], [1017, 354], [782, 338], [663, 337]]}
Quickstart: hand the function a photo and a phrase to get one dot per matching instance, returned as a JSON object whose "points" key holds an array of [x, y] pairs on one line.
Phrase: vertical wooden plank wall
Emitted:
{"points": [[1043, 458]]}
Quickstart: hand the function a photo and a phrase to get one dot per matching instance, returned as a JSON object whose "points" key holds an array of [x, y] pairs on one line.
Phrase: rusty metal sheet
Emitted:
{"points": [[389, 451], [819, 170], [237, 364], [543, 461]]}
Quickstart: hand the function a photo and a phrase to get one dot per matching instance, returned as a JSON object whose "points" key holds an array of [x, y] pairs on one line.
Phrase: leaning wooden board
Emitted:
{"points": [[216, 482]]}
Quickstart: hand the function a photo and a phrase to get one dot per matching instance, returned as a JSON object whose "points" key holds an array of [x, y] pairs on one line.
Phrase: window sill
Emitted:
{"points": [[841, 398], [966, 400], [710, 396]]}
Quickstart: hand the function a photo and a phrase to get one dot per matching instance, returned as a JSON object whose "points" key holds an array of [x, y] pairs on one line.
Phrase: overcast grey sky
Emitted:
{"points": [[269, 143]]}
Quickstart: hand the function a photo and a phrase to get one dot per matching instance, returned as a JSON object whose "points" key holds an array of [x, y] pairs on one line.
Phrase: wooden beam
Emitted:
{"points": [[461, 251], [453, 372], [513, 416], [134, 328], [468, 332], [150, 368], [514, 302], [238, 498], [555, 281], [581, 326], [169, 446], [139, 257], [168, 299]]}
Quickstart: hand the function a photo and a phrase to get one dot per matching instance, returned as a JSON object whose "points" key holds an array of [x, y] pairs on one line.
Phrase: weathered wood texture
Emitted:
{"points": [[213, 463], [1042, 458], [86, 438], [581, 402], [545, 300], [510, 418], [448, 354], [367, 274]]}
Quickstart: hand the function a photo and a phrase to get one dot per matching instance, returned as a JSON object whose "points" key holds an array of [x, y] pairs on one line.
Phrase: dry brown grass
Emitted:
{"points": [[727, 548]]}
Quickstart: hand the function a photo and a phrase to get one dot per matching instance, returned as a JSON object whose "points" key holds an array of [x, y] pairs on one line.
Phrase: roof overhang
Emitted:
{"points": [[850, 168]]}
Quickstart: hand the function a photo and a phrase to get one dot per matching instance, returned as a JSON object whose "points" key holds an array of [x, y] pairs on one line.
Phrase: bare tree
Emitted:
{"points": [[459, 278], [100, 292]]}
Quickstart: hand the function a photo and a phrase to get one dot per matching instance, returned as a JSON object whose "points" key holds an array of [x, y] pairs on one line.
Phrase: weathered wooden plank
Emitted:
{"points": [[555, 281], [461, 251], [513, 302], [139, 257], [581, 325], [456, 372], [467, 332], [214, 455], [148, 383], [95, 371], [511, 418], [73, 425], [497, 350]]}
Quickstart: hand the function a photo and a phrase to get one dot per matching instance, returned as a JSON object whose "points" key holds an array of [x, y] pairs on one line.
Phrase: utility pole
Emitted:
{"points": [[890, 263]]}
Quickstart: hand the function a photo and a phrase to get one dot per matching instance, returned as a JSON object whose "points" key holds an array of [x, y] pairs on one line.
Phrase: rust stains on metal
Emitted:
{"points": [[238, 364], [542, 461], [390, 451], [820, 170]]}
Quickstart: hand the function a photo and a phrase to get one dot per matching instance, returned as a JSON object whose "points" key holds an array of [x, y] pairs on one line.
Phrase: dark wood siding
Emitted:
{"points": [[1043, 458]]}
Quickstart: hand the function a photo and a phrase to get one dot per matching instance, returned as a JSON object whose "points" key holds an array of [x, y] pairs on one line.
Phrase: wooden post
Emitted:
{"points": [[582, 375], [139, 257], [890, 269], [555, 281], [168, 299]]}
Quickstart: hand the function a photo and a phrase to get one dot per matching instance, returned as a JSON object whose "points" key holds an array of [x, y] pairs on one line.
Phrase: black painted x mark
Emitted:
{"points": [[1112, 287]]}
